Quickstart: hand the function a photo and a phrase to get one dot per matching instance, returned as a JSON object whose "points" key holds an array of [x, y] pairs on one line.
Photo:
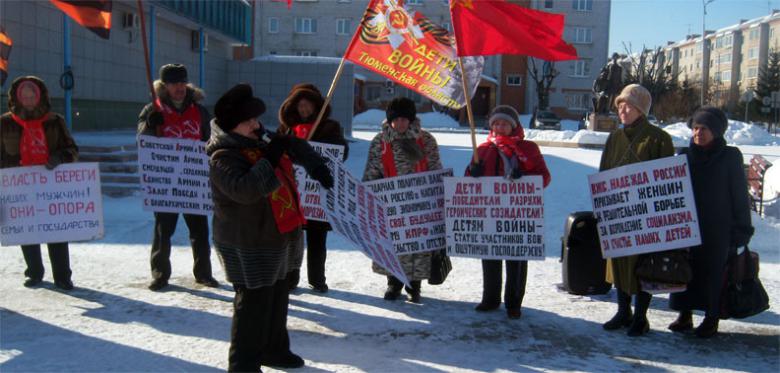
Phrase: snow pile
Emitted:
{"points": [[372, 120], [738, 133]]}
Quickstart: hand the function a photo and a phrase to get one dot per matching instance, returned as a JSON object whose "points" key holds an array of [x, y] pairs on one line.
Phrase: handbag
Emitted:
{"points": [[744, 295], [440, 267], [666, 267]]}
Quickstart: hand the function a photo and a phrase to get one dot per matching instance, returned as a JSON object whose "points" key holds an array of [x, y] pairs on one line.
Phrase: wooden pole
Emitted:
{"points": [[146, 54], [327, 98], [475, 158]]}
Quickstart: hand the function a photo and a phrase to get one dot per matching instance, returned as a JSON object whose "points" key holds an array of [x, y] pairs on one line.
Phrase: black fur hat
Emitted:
{"points": [[712, 117], [401, 107], [237, 105], [173, 73]]}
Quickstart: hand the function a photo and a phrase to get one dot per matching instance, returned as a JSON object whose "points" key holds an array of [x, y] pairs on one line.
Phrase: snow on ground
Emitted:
{"points": [[111, 322]]}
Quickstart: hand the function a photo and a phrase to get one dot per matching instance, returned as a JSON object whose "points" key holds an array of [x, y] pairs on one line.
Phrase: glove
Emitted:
{"points": [[476, 169], [516, 173], [155, 119], [275, 149], [54, 161], [322, 174]]}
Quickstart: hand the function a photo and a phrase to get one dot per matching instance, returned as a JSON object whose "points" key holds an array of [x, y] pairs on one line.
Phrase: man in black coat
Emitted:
{"points": [[177, 114]]}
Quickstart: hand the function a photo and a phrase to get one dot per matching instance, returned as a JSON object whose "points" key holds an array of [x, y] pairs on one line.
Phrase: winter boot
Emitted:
{"points": [[414, 291], [640, 325], [623, 316], [394, 287], [683, 323], [708, 328]]}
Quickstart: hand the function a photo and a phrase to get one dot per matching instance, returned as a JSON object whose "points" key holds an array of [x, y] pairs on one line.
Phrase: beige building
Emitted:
{"points": [[734, 56]]}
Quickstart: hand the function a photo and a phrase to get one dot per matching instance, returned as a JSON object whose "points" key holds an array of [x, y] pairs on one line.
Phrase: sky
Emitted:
{"points": [[654, 22]]}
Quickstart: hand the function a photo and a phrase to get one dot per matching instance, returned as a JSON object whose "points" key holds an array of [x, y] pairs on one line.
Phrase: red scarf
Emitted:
{"points": [[302, 130], [285, 202], [181, 126], [33, 148], [507, 144], [388, 159]]}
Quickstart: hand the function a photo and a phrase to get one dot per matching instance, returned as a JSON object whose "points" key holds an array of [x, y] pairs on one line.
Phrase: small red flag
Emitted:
{"points": [[5, 51], [95, 15], [488, 27]]}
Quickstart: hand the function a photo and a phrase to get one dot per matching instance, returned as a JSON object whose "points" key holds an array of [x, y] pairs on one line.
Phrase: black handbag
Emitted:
{"points": [[743, 295], [666, 267], [440, 267]]}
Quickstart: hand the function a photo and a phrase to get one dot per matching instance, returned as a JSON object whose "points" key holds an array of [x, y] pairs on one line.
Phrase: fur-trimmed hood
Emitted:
{"points": [[288, 112], [14, 106], [389, 134], [193, 93]]}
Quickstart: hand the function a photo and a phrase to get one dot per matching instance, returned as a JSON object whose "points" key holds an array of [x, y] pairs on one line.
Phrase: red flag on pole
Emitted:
{"points": [[95, 15], [5, 51], [488, 27]]}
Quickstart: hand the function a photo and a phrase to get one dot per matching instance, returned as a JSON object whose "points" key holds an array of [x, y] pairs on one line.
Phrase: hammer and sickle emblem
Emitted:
{"points": [[286, 202], [398, 19]]}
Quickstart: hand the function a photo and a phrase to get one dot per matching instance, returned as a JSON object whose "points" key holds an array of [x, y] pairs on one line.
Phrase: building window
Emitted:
{"points": [[716, 76], [724, 41], [548, 4], [724, 59], [752, 72], [273, 25], [582, 35], [725, 76], [582, 5], [578, 101], [514, 80], [373, 92], [305, 25], [306, 53], [581, 68], [753, 53], [754, 33], [343, 26], [772, 32]]}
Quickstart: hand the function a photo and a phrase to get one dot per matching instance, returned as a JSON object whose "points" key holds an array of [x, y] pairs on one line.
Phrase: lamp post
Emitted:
{"points": [[704, 49]]}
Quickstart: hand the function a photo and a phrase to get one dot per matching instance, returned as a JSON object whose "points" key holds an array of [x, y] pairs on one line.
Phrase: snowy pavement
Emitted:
{"points": [[111, 322]]}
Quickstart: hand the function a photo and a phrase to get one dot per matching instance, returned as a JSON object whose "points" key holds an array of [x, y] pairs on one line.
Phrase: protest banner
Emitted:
{"points": [[495, 218], [645, 207], [406, 47], [60, 205], [174, 175], [415, 210], [357, 214], [309, 189]]}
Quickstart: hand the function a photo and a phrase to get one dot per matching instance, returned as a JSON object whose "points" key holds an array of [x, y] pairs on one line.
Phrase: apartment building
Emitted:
{"points": [[325, 27], [733, 58]]}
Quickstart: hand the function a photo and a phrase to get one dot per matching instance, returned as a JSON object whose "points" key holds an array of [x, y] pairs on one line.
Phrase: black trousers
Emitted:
{"points": [[259, 327], [58, 255], [316, 253], [514, 289], [164, 226]]}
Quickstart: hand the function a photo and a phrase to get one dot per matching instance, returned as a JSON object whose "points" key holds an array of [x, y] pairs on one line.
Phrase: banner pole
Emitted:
{"points": [[146, 54], [328, 97], [475, 158]]}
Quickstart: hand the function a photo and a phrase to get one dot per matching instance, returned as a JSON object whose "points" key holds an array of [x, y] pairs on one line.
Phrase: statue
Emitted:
{"points": [[607, 86]]}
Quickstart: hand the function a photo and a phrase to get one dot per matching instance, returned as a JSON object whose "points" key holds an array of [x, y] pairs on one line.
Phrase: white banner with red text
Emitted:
{"points": [[309, 189]]}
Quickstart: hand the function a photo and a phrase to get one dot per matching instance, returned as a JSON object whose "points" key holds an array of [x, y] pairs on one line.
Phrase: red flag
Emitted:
{"points": [[488, 27], [95, 15], [5, 51], [289, 2]]}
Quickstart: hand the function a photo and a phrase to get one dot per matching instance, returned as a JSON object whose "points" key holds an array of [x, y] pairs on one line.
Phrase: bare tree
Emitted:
{"points": [[543, 81], [650, 70]]}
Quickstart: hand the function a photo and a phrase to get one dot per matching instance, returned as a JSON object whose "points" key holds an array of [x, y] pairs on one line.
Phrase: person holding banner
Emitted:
{"points": [[637, 141], [30, 135], [257, 225], [506, 153], [177, 113], [719, 188], [297, 115], [403, 148]]}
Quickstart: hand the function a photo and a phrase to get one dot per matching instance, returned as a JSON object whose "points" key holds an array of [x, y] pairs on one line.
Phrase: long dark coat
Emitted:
{"points": [[638, 143], [722, 204]]}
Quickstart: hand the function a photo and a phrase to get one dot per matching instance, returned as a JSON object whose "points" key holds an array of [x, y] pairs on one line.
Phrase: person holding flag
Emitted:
{"points": [[297, 116], [30, 135], [403, 148], [506, 153], [177, 113]]}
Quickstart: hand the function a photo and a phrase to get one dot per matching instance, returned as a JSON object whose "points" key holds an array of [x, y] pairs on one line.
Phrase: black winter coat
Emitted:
{"points": [[723, 208]]}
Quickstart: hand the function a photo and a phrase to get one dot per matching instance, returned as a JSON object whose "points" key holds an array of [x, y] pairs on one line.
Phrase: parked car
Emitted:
{"points": [[547, 120]]}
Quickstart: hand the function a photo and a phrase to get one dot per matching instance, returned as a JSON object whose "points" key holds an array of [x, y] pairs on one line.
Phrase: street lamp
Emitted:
{"points": [[704, 49]]}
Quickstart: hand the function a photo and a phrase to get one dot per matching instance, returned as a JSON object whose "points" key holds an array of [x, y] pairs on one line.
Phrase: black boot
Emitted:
{"points": [[394, 287], [293, 277], [640, 325], [623, 316], [708, 328], [414, 291], [684, 322]]}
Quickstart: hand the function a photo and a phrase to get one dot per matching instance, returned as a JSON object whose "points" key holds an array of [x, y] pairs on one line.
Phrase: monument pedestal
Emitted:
{"points": [[602, 122]]}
